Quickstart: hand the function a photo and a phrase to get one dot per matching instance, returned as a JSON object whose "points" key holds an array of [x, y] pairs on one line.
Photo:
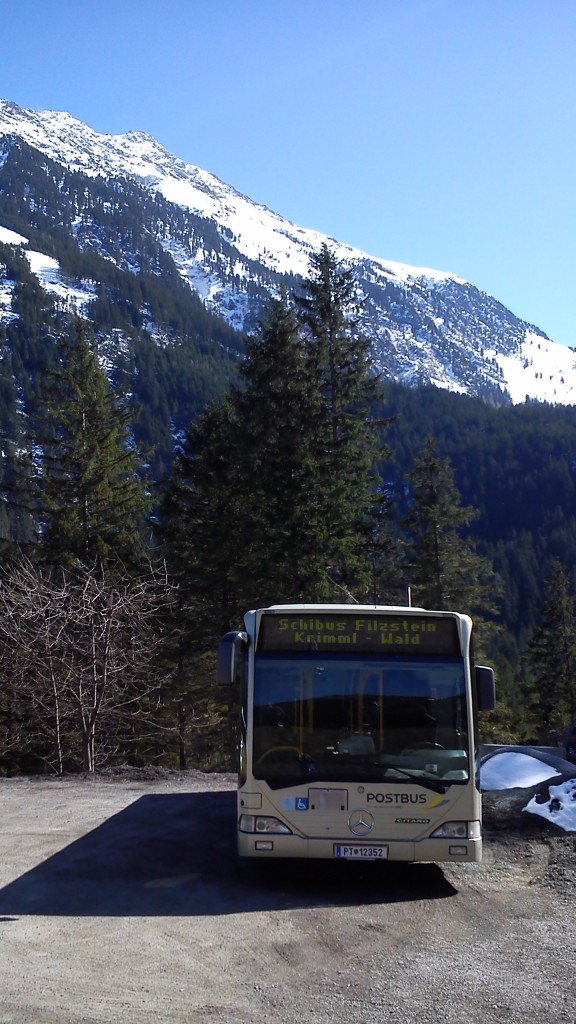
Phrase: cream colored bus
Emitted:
{"points": [[358, 733]]}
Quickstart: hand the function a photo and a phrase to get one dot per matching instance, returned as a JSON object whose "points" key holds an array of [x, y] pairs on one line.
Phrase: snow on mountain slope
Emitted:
{"points": [[75, 296], [260, 233], [425, 325], [541, 370]]}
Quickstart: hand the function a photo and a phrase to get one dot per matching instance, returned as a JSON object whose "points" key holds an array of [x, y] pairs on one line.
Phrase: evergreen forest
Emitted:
{"points": [[150, 499]]}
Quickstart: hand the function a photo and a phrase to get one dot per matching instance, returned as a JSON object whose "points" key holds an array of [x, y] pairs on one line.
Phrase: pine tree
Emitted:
{"points": [[346, 431], [92, 501], [445, 571], [277, 412], [274, 496], [201, 527], [18, 525], [239, 519], [550, 692]]}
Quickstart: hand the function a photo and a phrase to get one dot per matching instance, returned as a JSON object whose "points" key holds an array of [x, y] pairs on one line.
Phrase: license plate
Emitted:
{"points": [[359, 851]]}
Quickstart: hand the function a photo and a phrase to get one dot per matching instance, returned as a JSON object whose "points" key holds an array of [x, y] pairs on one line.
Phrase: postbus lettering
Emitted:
{"points": [[396, 798]]}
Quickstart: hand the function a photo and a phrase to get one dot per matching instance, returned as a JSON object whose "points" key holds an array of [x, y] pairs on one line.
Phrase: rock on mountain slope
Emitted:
{"points": [[425, 325]]}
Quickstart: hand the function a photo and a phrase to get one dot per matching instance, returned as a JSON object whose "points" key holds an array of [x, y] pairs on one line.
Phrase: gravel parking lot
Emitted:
{"points": [[121, 899]]}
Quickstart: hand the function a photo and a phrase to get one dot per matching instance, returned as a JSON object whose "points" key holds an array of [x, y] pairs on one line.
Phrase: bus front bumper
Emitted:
{"points": [[294, 846]]}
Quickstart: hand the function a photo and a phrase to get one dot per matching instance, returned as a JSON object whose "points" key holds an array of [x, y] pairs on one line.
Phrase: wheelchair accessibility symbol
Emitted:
{"points": [[296, 803]]}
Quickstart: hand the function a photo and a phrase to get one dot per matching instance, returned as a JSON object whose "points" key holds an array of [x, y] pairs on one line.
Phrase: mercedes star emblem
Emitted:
{"points": [[361, 823]]}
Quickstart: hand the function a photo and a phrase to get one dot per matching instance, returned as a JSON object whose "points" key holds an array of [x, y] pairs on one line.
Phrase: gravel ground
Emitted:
{"points": [[121, 899]]}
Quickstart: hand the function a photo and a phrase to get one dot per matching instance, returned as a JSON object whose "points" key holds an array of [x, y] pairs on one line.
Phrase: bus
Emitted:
{"points": [[358, 732]]}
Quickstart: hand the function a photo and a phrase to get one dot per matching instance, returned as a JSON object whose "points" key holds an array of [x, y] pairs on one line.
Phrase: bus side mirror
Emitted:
{"points": [[485, 688], [231, 648]]}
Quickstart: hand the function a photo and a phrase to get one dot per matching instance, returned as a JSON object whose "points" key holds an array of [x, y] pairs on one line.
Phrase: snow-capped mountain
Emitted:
{"points": [[425, 325]]}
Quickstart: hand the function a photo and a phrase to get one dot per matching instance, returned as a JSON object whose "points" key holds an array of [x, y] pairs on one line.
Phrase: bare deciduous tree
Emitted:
{"points": [[77, 648]]}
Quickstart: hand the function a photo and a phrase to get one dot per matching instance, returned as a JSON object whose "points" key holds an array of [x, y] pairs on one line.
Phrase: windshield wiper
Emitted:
{"points": [[422, 780]]}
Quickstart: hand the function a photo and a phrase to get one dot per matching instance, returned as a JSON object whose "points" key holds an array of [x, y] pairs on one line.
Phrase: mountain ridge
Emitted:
{"points": [[425, 325]]}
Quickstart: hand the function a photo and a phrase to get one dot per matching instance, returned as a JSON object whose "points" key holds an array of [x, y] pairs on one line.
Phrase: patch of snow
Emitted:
{"points": [[542, 369], [6, 314], [9, 237], [48, 271], [510, 769], [560, 808]]}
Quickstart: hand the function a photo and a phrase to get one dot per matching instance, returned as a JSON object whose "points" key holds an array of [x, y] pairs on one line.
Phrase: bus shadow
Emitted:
{"points": [[175, 855]]}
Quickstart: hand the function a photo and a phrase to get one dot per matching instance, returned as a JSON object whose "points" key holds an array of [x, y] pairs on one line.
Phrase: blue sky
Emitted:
{"points": [[434, 132]]}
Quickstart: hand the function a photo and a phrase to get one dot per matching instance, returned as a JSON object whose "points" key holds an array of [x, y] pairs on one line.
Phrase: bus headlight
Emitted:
{"points": [[263, 824], [457, 830]]}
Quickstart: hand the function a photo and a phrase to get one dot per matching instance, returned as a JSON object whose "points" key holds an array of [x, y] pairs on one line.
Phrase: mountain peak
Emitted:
{"points": [[425, 325]]}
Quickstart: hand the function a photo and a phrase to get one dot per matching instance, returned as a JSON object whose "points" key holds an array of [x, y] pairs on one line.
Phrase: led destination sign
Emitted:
{"points": [[369, 633]]}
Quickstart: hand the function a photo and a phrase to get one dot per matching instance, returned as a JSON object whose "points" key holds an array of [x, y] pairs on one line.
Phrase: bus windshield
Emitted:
{"points": [[356, 718]]}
